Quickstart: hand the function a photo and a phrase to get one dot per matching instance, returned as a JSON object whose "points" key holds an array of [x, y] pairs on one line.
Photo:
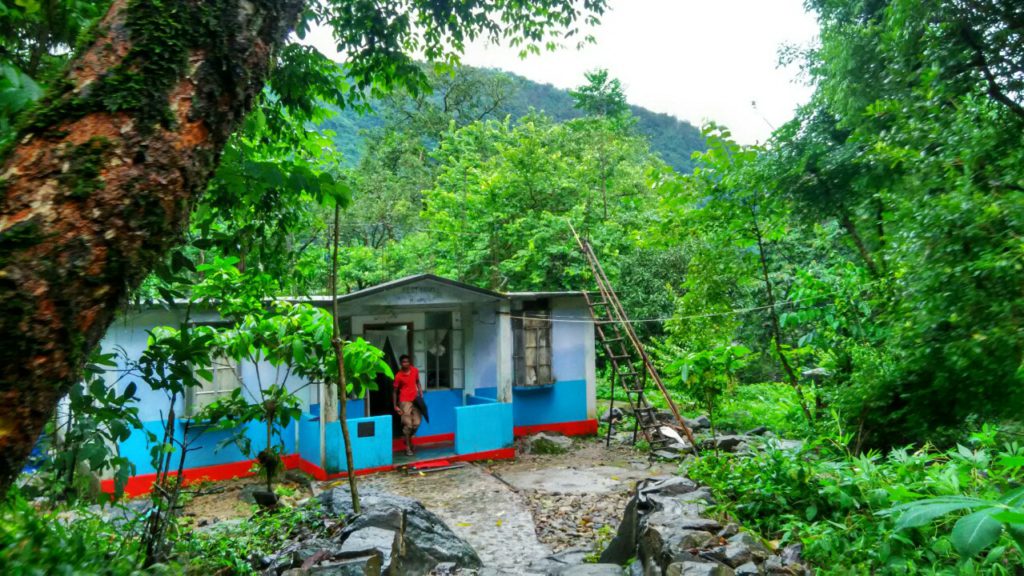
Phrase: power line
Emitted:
{"points": [[733, 312]]}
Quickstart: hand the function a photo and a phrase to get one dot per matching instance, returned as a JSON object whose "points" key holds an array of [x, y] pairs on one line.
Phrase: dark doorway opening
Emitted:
{"points": [[395, 340]]}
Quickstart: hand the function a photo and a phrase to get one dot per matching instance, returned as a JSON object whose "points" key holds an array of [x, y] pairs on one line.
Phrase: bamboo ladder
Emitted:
{"points": [[630, 363]]}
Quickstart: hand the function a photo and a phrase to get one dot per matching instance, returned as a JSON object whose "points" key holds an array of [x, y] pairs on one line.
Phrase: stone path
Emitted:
{"points": [[479, 508], [517, 512]]}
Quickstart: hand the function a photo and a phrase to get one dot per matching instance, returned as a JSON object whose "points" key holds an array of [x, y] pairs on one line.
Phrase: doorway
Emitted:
{"points": [[395, 340]]}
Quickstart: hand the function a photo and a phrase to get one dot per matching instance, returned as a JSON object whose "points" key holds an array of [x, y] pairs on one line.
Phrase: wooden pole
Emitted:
{"points": [[339, 352]]}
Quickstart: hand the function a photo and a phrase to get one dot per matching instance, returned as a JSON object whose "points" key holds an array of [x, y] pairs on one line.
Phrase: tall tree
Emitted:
{"points": [[100, 179]]}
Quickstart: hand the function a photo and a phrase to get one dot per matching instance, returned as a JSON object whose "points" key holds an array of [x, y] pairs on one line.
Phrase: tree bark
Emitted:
{"points": [[100, 182]]}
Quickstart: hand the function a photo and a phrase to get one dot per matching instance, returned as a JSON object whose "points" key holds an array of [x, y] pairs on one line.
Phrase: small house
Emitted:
{"points": [[493, 366]]}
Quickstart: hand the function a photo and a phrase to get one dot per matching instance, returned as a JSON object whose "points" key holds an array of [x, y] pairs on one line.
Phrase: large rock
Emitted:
{"points": [[663, 525], [757, 549], [412, 539], [543, 443], [691, 568], [612, 415], [727, 443], [592, 570], [698, 423], [559, 561]]}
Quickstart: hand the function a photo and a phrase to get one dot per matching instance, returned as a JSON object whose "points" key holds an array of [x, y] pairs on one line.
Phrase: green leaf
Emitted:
{"points": [[1010, 517], [976, 532], [811, 512], [924, 512]]}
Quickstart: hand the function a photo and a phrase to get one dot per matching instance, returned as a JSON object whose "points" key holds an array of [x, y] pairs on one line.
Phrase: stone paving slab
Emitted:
{"points": [[489, 515], [585, 480]]}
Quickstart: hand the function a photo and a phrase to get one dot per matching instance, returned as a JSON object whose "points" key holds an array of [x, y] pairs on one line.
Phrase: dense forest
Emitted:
{"points": [[672, 139], [856, 282]]}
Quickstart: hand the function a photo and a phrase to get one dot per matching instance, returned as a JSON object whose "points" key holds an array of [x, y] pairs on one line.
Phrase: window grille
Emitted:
{"points": [[226, 378], [531, 335]]}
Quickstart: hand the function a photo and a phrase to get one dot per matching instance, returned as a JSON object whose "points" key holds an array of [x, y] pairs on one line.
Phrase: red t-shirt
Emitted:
{"points": [[407, 384]]}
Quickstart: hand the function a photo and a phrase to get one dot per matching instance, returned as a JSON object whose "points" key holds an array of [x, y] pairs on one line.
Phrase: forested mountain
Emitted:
{"points": [[672, 139]]}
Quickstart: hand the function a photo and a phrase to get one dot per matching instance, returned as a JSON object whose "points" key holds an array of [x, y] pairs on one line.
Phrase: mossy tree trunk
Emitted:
{"points": [[100, 182]]}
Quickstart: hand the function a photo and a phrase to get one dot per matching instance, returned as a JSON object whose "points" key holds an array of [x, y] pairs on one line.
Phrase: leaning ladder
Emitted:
{"points": [[630, 363]]}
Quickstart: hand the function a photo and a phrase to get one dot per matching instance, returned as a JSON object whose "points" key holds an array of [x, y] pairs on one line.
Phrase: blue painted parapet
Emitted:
{"points": [[565, 401], [482, 426], [371, 444]]}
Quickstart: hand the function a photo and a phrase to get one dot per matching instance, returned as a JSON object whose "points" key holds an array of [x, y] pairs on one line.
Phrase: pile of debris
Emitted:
{"points": [[392, 535], [678, 447], [665, 529]]}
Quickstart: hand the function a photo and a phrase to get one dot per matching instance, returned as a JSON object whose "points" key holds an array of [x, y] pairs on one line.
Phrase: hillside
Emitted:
{"points": [[673, 139]]}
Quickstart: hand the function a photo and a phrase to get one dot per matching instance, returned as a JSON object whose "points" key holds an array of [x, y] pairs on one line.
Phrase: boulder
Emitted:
{"points": [[554, 563], [369, 565], [414, 539], [612, 415], [653, 494], [793, 554], [753, 543], [748, 569], [727, 443], [372, 539], [691, 568], [698, 423], [544, 443], [593, 570]]}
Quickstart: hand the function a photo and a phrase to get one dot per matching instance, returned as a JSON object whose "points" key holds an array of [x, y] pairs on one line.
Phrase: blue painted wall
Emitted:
{"points": [[136, 447], [565, 401], [309, 439], [367, 452], [482, 370], [483, 427], [491, 392], [477, 400], [441, 405]]}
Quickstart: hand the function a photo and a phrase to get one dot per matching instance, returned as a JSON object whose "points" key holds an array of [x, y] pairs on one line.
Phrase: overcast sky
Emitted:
{"points": [[695, 59]]}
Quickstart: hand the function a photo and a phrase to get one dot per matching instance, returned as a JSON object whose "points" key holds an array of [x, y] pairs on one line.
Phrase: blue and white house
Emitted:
{"points": [[494, 366]]}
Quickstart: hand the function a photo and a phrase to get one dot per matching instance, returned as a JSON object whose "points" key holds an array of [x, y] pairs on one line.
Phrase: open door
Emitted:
{"points": [[395, 340]]}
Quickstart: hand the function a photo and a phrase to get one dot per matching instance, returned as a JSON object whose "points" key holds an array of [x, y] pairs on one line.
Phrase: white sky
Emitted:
{"points": [[695, 59]]}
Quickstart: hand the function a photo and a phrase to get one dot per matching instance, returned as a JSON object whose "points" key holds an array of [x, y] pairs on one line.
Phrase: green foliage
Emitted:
{"points": [[237, 548], [709, 374], [484, 94], [81, 441], [601, 96], [876, 513], [773, 405], [76, 541]]}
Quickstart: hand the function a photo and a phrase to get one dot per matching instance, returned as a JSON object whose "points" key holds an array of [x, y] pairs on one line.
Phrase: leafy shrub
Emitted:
{"points": [[237, 548], [846, 510], [66, 541], [771, 404]]}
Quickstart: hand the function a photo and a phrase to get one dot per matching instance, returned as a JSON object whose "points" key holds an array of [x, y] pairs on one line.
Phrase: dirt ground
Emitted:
{"points": [[511, 512]]}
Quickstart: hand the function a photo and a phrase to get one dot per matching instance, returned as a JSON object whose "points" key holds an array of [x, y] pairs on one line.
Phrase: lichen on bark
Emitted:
{"points": [[99, 182]]}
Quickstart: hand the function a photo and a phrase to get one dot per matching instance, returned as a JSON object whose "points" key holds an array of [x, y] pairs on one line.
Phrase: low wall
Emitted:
{"points": [[564, 401], [482, 426], [371, 444]]}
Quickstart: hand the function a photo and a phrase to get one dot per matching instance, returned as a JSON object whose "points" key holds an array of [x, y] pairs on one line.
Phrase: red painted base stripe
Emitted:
{"points": [[581, 428], [143, 483], [398, 444], [499, 454], [363, 472]]}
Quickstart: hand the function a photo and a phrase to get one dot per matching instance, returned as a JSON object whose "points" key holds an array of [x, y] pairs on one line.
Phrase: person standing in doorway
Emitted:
{"points": [[407, 388]]}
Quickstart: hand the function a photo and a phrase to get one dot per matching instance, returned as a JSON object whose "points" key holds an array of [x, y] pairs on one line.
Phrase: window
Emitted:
{"points": [[226, 378], [442, 343], [531, 336]]}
